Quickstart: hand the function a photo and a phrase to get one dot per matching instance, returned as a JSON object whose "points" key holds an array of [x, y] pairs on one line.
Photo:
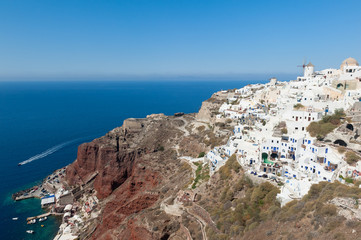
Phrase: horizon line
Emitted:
{"points": [[132, 77]]}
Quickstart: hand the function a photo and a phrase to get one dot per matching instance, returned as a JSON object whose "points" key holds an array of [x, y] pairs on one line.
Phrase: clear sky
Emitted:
{"points": [[174, 37]]}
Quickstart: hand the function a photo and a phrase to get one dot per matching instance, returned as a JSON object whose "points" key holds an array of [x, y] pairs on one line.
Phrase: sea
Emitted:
{"points": [[43, 122]]}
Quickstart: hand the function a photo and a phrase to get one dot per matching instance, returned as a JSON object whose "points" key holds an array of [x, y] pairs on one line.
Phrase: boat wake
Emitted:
{"points": [[47, 152]]}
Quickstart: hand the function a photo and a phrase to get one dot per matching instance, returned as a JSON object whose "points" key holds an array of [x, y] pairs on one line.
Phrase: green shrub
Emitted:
{"points": [[341, 149], [339, 236], [329, 210], [349, 180], [201, 154], [351, 157], [320, 129], [231, 164], [202, 174], [201, 128], [326, 125], [298, 106]]}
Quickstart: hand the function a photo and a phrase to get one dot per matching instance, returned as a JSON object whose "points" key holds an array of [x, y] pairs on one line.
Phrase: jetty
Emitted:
{"points": [[23, 197], [44, 215]]}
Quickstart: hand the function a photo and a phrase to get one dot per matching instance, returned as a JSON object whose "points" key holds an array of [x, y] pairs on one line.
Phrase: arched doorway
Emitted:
{"points": [[349, 126], [340, 142], [339, 86]]}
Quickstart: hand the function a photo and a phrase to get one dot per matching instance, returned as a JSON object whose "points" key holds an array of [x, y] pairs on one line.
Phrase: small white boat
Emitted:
{"points": [[32, 221], [15, 218], [30, 231], [42, 219]]}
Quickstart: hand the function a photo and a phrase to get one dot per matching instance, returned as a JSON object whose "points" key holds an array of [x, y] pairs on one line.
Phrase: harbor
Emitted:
{"points": [[74, 206], [46, 188], [49, 191]]}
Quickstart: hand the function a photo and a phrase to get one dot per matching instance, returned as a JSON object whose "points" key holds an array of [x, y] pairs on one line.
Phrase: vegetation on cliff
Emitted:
{"points": [[242, 209], [298, 106], [231, 165], [351, 157], [202, 174], [328, 123]]}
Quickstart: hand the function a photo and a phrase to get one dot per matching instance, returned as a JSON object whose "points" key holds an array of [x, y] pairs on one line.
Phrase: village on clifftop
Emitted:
{"points": [[281, 129]]}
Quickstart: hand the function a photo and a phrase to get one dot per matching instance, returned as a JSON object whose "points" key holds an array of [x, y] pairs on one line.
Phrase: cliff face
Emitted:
{"points": [[113, 166], [136, 171], [134, 168], [210, 107]]}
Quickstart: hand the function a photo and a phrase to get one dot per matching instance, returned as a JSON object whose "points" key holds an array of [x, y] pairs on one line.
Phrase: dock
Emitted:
{"points": [[44, 215], [24, 197]]}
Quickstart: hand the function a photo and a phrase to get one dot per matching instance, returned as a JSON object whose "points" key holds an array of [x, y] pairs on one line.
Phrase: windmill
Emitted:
{"points": [[303, 65]]}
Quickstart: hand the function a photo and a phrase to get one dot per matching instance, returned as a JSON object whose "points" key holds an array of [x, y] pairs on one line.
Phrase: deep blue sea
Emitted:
{"points": [[38, 116]]}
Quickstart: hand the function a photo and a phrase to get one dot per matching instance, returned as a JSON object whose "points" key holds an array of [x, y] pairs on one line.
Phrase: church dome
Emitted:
{"points": [[349, 62]]}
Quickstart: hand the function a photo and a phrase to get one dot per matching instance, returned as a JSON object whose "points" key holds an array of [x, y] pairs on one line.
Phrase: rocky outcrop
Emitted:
{"points": [[348, 207], [134, 168], [210, 107], [113, 166]]}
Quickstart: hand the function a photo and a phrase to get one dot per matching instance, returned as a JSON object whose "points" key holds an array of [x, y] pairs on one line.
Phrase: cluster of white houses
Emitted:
{"points": [[271, 137]]}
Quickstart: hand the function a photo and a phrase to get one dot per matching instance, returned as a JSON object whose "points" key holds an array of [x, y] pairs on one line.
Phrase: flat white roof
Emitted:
{"points": [[47, 200], [68, 207]]}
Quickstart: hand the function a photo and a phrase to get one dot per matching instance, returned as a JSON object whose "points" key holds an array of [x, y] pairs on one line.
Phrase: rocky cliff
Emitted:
{"points": [[135, 170]]}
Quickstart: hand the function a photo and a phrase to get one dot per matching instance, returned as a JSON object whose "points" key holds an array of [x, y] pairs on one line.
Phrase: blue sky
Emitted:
{"points": [[174, 37]]}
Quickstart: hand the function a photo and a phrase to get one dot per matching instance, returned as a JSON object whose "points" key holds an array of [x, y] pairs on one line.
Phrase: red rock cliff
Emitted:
{"points": [[130, 167]]}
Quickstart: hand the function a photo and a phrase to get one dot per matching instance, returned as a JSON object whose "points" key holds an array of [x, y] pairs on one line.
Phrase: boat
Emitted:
{"points": [[32, 221], [42, 219], [15, 218], [30, 231], [42, 225], [19, 164]]}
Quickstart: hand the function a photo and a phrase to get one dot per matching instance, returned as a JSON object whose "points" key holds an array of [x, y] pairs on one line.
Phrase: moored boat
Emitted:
{"points": [[30, 231], [32, 221]]}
